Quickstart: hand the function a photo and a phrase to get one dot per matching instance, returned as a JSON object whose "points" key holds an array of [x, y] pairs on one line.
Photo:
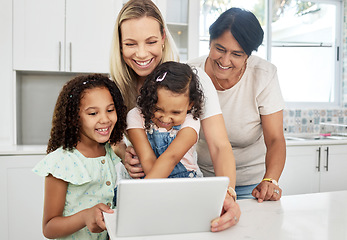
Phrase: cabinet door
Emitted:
{"points": [[300, 174], [89, 29], [38, 34], [334, 165], [21, 198]]}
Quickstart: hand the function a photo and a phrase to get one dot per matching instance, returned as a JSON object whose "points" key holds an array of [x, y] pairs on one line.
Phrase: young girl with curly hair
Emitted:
{"points": [[79, 169], [164, 127]]}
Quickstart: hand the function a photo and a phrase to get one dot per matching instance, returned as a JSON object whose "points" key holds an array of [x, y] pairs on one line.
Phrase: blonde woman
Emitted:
{"points": [[140, 43]]}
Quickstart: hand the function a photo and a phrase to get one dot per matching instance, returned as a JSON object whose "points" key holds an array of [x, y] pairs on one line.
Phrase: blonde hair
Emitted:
{"points": [[120, 72]]}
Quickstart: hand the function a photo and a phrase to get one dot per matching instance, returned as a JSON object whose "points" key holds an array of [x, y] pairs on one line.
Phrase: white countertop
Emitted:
{"points": [[23, 150], [315, 216]]}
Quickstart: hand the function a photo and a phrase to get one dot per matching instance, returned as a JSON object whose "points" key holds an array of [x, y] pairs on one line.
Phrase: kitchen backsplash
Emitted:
{"points": [[308, 120]]}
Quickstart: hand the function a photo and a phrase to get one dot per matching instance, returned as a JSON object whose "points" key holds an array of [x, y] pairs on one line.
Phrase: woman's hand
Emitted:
{"points": [[132, 163], [230, 215], [94, 218], [267, 191]]}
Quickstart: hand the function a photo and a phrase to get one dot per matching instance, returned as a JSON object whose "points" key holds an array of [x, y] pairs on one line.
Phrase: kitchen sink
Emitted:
{"points": [[313, 137]]}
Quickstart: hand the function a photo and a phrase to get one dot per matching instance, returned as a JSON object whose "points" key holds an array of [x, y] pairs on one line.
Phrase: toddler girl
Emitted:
{"points": [[164, 127], [79, 169]]}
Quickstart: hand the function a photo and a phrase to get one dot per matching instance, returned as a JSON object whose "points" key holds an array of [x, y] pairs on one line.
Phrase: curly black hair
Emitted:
{"points": [[178, 78], [66, 125]]}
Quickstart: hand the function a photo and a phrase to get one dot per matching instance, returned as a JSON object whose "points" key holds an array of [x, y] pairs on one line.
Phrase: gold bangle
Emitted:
{"points": [[270, 180]]}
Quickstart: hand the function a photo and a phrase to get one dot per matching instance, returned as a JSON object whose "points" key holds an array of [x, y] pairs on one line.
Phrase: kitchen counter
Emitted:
{"points": [[318, 216], [23, 150]]}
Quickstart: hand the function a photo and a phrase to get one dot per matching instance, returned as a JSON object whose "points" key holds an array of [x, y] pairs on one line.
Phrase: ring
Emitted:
{"points": [[276, 191], [235, 218]]}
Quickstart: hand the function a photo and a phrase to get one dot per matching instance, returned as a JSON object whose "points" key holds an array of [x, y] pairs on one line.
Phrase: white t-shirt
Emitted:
{"points": [[257, 93], [135, 120], [211, 105]]}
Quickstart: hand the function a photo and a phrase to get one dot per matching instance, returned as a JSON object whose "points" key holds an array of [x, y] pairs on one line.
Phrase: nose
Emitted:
{"points": [[165, 118], [104, 118], [225, 60], [141, 51]]}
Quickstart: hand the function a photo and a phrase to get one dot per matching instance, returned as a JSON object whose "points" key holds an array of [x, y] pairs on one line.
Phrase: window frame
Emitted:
{"points": [[338, 45]]}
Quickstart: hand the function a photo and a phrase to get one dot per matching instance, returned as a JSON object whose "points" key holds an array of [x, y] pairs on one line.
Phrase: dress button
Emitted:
{"points": [[109, 204], [108, 183], [103, 161]]}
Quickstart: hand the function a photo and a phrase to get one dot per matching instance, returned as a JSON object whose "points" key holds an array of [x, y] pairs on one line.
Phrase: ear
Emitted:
{"points": [[190, 106], [163, 37]]}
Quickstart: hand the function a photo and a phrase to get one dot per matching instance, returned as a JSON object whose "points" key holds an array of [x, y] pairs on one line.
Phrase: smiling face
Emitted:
{"points": [[226, 56], [97, 116], [142, 42], [171, 108]]}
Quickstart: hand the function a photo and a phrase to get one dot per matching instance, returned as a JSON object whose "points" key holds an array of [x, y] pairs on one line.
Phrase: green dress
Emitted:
{"points": [[90, 181]]}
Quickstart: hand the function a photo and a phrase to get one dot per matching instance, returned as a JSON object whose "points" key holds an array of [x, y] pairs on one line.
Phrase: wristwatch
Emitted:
{"points": [[232, 193], [270, 180]]}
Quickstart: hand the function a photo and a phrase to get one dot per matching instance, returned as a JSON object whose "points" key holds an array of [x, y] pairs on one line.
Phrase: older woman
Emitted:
{"points": [[140, 43], [251, 102]]}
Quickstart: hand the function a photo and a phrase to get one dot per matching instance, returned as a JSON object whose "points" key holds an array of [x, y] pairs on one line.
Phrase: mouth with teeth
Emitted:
{"points": [[163, 124], [143, 64], [220, 66], [103, 131]]}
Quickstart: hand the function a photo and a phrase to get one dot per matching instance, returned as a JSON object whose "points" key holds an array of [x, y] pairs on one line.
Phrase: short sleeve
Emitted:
{"points": [[191, 122], [270, 99], [211, 104], [64, 165], [135, 119]]}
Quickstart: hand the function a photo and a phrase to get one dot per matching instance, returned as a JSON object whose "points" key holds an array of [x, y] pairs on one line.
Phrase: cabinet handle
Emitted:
{"points": [[318, 166], [70, 57], [59, 55], [327, 160]]}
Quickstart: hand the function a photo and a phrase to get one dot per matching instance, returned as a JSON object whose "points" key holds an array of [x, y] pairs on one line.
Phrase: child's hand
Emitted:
{"points": [[94, 219], [132, 163]]}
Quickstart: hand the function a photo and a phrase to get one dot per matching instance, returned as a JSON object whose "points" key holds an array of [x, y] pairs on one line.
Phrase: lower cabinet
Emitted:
{"points": [[317, 168], [21, 198]]}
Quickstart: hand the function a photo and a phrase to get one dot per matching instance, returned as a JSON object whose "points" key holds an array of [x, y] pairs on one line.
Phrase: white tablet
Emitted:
{"points": [[168, 206]]}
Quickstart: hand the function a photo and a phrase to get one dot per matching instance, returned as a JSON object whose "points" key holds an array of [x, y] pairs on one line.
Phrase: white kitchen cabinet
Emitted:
{"points": [[70, 35], [315, 168], [182, 20], [21, 198]]}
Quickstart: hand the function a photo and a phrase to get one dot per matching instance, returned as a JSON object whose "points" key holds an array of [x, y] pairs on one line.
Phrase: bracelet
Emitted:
{"points": [[270, 180], [232, 193]]}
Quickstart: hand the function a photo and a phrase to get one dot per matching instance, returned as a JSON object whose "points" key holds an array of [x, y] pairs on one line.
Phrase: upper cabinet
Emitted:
{"points": [[68, 36], [182, 20]]}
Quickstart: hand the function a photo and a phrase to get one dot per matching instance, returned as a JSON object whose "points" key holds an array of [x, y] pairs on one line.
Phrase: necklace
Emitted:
{"points": [[223, 88]]}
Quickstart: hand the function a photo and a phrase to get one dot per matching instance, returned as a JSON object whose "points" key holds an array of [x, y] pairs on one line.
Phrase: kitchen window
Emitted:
{"points": [[302, 38]]}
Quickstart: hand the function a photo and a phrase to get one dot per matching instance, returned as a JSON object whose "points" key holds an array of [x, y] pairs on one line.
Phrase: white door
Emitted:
{"points": [[38, 35], [333, 174], [301, 173], [89, 29]]}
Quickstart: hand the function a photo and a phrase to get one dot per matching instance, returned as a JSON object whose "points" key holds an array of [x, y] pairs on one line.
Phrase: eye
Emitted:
{"points": [[237, 54], [152, 42], [220, 50], [111, 110], [92, 113], [129, 44]]}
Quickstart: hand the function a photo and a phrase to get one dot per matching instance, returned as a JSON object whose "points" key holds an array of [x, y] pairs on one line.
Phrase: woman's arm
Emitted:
{"points": [[224, 165], [220, 148], [275, 156], [143, 149], [54, 225], [166, 162]]}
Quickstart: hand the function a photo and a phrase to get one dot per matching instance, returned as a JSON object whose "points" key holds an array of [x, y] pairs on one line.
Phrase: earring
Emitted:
{"points": [[162, 46]]}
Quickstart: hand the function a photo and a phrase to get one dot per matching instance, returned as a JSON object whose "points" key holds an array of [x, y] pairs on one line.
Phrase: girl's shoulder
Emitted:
{"points": [[65, 165]]}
